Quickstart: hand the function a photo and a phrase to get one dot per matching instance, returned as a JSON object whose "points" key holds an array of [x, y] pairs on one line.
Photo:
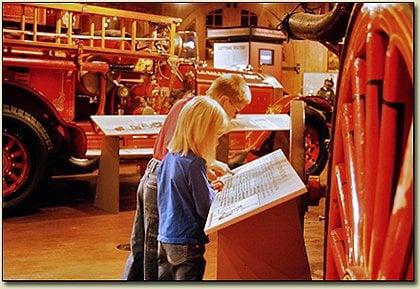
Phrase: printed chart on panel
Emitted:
{"points": [[254, 187]]}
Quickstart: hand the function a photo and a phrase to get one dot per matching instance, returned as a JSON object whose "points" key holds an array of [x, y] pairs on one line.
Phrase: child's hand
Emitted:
{"points": [[220, 168], [217, 185], [211, 175]]}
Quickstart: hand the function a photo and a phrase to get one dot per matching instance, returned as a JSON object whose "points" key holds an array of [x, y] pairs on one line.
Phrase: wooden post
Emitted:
{"points": [[108, 183], [22, 27], [133, 35], [103, 32], [92, 34], [70, 29], [35, 25], [172, 37], [297, 147], [122, 42], [58, 31], [297, 142]]}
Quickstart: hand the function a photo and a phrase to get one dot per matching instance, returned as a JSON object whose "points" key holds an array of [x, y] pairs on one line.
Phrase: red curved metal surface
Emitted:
{"points": [[371, 175]]}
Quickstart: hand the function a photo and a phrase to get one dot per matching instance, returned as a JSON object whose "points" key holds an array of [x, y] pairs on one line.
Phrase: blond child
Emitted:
{"points": [[184, 193]]}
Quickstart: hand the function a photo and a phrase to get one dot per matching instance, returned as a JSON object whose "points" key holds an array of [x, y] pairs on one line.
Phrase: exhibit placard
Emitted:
{"points": [[118, 125], [254, 187], [260, 122], [231, 55]]}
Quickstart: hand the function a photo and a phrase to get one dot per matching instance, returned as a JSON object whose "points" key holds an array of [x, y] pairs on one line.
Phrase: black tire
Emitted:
{"points": [[72, 165], [315, 123], [23, 135]]}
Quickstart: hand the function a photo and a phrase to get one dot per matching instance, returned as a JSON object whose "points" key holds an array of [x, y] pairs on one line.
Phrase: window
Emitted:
{"points": [[248, 18], [214, 18]]}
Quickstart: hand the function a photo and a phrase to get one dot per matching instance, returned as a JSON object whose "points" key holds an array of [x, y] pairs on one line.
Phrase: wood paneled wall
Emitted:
{"points": [[275, 69], [311, 56]]}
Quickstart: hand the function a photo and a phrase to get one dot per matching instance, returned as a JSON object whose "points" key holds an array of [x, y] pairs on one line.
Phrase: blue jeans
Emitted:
{"points": [[181, 261], [142, 263]]}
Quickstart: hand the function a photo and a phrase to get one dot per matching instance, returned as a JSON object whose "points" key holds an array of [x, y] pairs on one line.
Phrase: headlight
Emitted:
{"points": [[123, 91]]}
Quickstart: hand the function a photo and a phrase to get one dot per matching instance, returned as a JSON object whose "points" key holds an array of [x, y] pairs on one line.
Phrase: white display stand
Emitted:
{"points": [[256, 223], [113, 126], [107, 187]]}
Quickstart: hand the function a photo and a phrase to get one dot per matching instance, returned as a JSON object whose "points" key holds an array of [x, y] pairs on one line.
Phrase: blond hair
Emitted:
{"points": [[200, 123], [231, 85]]}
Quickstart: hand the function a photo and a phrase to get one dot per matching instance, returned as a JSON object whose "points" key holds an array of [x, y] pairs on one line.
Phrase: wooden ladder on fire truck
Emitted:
{"points": [[64, 17]]}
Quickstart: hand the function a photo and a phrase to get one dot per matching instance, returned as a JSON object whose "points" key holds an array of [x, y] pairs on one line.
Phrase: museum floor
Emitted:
{"points": [[69, 239]]}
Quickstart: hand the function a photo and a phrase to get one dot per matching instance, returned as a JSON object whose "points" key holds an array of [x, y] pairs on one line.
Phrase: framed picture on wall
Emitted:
{"points": [[266, 56]]}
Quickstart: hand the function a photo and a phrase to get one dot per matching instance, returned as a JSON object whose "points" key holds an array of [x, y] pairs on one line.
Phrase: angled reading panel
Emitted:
{"points": [[255, 187]]}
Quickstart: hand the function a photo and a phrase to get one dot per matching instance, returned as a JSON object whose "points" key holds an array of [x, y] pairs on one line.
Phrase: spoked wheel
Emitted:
{"points": [[26, 146], [369, 232], [311, 147], [15, 163], [316, 133]]}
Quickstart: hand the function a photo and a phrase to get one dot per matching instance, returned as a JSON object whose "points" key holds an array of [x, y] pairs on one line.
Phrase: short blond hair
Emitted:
{"points": [[231, 85], [200, 123]]}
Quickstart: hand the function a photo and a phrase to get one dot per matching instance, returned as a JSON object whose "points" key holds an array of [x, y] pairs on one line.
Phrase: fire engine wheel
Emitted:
{"points": [[25, 151], [316, 132], [369, 230]]}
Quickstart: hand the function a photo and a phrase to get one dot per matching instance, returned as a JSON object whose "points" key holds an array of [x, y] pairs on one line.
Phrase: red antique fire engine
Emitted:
{"points": [[63, 63], [369, 214]]}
